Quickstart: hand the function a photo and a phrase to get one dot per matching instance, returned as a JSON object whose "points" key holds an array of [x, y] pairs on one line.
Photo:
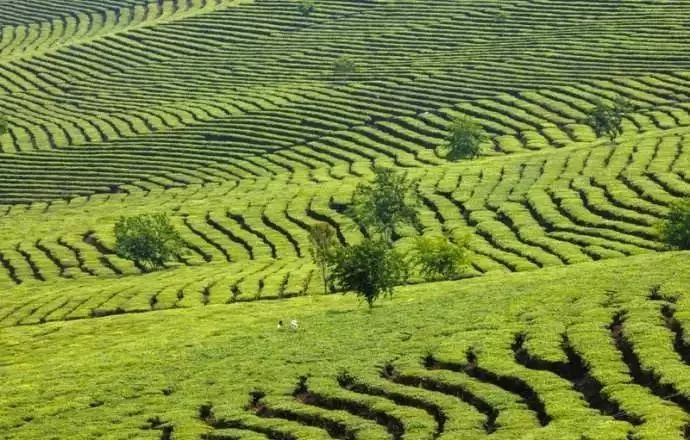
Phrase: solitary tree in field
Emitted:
{"points": [[345, 65], [391, 200], [306, 7], [608, 119], [149, 239], [4, 125], [371, 269], [438, 258], [675, 230], [324, 245], [464, 139]]}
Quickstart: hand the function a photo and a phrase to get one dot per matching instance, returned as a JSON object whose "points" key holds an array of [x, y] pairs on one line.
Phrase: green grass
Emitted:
{"points": [[226, 116], [54, 373]]}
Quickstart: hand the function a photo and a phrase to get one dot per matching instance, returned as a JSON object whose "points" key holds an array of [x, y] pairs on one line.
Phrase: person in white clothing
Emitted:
{"points": [[294, 325]]}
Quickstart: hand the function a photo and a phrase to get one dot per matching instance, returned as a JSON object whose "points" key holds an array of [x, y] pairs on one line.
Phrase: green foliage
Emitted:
{"points": [[345, 65], [391, 200], [370, 269], [675, 230], [464, 139], [324, 245], [4, 125], [149, 239], [306, 7], [608, 120], [437, 258]]}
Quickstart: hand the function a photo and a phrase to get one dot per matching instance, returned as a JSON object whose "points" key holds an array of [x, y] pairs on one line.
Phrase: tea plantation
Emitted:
{"points": [[229, 116]]}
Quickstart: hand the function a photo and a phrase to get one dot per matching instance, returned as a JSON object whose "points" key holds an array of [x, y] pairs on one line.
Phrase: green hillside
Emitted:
{"points": [[229, 117], [588, 351]]}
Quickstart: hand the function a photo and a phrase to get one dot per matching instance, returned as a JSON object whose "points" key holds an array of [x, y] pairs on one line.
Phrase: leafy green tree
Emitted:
{"points": [[438, 258], [306, 7], [371, 269], [324, 244], [675, 230], [4, 125], [608, 119], [464, 139], [149, 239], [345, 65], [390, 201]]}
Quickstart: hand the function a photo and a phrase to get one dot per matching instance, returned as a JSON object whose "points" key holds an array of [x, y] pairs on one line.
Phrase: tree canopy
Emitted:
{"points": [[608, 119], [389, 201], [464, 139], [324, 245], [675, 230], [370, 269], [149, 239], [437, 258]]}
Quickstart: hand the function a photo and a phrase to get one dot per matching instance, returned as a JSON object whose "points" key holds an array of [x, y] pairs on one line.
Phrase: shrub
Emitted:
{"points": [[608, 120], [675, 230], [345, 65], [391, 200], [149, 239], [4, 125], [306, 7], [324, 243], [464, 139], [370, 269], [438, 258]]}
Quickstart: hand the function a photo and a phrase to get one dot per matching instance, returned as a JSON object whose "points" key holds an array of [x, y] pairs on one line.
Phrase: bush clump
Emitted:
{"points": [[437, 258], [389, 201], [675, 230], [148, 239], [345, 65], [306, 7], [464, 139], [608, 119]]}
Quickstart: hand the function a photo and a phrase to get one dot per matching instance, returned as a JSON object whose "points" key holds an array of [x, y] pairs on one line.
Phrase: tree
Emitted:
{"points": [[391, 200], [439, 258], [608, 120], [149, 239], [370, 269], [324, 244], [306, 7], [345, 65], [464, 139], [4, 125], [675, 230]]}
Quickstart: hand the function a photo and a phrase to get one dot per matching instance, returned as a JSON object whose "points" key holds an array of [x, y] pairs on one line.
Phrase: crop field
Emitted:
{"points": [[597, 351], [228, 116]]}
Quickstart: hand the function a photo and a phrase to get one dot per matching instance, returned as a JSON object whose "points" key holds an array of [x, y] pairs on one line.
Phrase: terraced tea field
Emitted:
{"points": [[227, 116], [597, 350]]}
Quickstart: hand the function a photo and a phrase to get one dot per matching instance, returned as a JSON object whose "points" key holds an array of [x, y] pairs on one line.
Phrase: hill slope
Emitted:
{"points": [[563, 353], [227, 116]]}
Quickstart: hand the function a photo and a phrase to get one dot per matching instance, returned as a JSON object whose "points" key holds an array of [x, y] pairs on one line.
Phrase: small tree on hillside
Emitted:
{"points": [[464, 139], [370, 269], [324, 245], [149, 239], [306, 7], [4, 125], [438, 258], [608, 119], [675, 230], [345, 65], [391, 200]]}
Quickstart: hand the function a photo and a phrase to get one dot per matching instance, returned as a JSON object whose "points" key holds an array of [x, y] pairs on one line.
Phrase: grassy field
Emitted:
{"points": [[227, 116], [590, 351]]}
